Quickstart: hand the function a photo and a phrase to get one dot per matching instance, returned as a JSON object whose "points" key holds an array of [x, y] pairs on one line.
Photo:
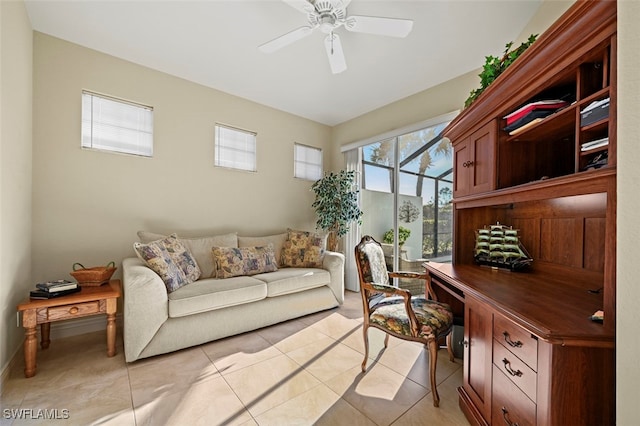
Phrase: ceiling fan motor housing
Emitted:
{"points": [[326, 17]]}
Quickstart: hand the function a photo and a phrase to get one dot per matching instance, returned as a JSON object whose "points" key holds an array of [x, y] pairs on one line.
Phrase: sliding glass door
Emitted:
{"points": [[405, 197]]}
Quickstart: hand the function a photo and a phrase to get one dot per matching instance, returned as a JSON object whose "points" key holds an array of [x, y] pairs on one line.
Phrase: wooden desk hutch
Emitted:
{"points": [[532, 355]]}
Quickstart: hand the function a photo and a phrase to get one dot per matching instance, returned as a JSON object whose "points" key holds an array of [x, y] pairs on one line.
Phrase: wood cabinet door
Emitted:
{"points": [[477, 367], [482, 169], [475, 162], [461, 181]]}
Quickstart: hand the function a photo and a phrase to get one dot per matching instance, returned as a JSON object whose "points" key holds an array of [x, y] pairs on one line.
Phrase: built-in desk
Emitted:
{"points": [[532, 355]]}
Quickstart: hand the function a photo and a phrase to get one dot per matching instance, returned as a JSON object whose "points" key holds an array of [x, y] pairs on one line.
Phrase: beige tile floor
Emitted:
{"points": [[302, 372]]}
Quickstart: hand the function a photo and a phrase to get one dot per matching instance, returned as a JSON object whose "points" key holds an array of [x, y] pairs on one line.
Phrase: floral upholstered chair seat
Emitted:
{"points": [[434, 318]]}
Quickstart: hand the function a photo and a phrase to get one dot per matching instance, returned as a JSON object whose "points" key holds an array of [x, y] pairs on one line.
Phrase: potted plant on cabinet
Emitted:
{"points": [[336, 205], [403, 236], [495, 66]]}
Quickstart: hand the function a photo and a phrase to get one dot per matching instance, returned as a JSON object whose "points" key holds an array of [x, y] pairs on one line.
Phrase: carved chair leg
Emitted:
{"points": [[386, 340], [450, 346], [433, 359], [365, 328]]}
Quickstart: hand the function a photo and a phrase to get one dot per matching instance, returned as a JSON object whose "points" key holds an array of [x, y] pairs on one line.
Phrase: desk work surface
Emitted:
{"points": [[545, 304]]}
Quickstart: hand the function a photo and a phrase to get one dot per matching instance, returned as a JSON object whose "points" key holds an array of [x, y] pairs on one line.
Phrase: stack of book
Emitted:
{"points": [[532, 113], [594, 112], [588, 146], [50, 289]]}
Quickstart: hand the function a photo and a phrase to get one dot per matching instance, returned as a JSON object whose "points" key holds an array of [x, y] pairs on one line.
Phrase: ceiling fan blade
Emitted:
{"points": [[393, 27], [341, 4], [286, 39], [301, 5], [334, 52]]}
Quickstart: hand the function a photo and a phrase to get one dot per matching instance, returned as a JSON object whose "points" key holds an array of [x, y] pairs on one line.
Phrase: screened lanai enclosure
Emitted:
{"points": [[407, 187]]}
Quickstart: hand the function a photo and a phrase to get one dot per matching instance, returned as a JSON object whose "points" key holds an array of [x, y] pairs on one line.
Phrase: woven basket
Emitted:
{"points": [[93, 277]]}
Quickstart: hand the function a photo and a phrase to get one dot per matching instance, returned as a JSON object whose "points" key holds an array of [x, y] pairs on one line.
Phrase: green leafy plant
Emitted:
{"points": [[403, 236], [495, 66], [336, 205]]}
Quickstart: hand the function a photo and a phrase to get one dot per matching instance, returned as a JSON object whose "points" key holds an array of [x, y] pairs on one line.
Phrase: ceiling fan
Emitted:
{"points": [[329, 15]]}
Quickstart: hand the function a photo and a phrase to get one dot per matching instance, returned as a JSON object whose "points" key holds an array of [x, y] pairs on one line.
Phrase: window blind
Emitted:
{"points": [[235, 148], [116, 125], [307, 162]]}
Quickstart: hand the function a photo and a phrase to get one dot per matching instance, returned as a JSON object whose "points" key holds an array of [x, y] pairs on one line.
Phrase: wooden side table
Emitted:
{"points": [[89, 301]]}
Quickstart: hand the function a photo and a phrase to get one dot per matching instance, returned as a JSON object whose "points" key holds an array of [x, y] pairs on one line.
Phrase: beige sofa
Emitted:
{"points": [[157, 322]]}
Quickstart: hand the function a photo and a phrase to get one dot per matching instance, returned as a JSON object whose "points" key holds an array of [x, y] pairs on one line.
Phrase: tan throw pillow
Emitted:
{"points": [[303, 249], [171, 260], [276, 240], [200, 248], [234, 261]]}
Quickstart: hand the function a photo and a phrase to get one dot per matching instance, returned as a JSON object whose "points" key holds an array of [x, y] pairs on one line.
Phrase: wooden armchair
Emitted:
{"points": [[394, 311]]}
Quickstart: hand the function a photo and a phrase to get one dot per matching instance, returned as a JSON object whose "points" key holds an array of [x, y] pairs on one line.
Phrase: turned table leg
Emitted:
{"points": [[45, 329], [111, 327], [30, 342]]}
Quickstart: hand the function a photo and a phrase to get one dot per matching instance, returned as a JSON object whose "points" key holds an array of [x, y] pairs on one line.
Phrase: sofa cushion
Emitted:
{"points": [[210, 294], [171, 260], [276, 240], [292, 280], [200, 248], [303, 249], [236, 261]]}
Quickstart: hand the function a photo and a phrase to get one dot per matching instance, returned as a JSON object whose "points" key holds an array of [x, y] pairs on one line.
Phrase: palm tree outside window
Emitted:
{"points": [[424, 174]]}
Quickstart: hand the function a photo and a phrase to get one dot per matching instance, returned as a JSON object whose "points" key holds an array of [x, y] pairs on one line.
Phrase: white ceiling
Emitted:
{"points": [[214, 43]]}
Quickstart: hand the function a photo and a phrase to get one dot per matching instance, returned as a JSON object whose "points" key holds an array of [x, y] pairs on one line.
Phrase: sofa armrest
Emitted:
{"points": [[334, 263], [146, 306]]}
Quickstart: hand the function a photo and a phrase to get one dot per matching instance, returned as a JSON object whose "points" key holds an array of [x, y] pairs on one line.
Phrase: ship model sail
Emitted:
{"points": [[499, 246]]}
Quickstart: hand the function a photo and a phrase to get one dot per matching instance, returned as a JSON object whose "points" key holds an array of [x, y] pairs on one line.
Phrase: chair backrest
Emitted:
{"points": [[370, 260]]}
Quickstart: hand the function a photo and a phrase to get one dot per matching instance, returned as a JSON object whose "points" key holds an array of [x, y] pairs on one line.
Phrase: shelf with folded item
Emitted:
{"points": [[558, 125]]}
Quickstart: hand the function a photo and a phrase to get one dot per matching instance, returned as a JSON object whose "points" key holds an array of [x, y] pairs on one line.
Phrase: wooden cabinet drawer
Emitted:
{"points": [[510, 406], [73, 311], [515, 370], [517, 339]]}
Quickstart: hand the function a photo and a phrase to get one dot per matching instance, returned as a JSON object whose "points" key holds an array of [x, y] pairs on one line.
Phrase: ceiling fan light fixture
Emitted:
{"points": [[327, 23]]}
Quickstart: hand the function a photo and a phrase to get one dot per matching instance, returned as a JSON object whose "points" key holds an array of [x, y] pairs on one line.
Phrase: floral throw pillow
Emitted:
{"points": [[303, 249], [171, 260], [233, 261]]}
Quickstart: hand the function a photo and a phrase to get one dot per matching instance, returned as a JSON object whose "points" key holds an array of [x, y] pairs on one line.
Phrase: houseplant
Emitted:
{"points": [[336, 205], [495, 66], [403, 236]]}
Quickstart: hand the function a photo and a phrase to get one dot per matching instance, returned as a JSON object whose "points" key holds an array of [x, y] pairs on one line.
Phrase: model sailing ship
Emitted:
{"points": [[499, 246]]}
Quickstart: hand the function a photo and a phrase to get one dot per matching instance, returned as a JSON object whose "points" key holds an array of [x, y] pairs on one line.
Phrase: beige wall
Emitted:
{"points": [[441, 99], [548, 12], [628, 288], [15, 171], [88, 205]]}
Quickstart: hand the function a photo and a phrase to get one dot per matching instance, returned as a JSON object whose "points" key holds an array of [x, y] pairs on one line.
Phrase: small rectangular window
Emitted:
{"points": [[235, 148], [307, 162], [116, 125]]}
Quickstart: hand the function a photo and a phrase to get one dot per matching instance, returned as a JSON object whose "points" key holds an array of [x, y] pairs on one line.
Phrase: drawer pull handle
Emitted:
{"points": [[74, 310], [516, 344], [505, 416], [507, 366], [467, 164]]}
